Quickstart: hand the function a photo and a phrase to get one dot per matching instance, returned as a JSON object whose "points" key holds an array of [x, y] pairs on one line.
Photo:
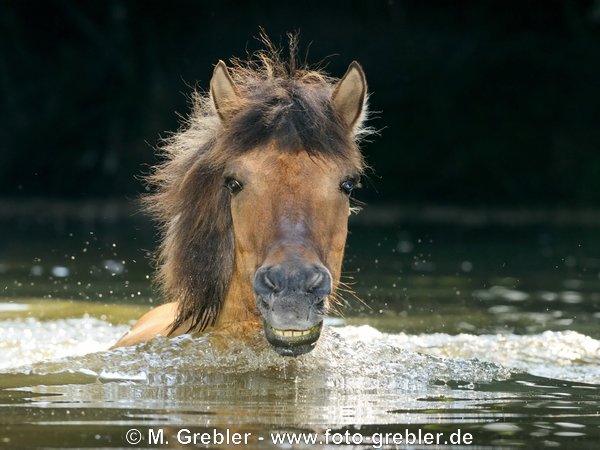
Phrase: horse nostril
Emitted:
{"points": [[319, 282], [313, 281], [275, 279], [268, 280]]}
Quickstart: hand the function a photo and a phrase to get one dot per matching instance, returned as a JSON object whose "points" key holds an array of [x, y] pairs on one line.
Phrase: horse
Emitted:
{"points": [[253, 199]]}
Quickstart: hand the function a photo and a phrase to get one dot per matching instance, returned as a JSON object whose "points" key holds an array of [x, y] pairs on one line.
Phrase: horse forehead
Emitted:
{"points": [[298, 166]]}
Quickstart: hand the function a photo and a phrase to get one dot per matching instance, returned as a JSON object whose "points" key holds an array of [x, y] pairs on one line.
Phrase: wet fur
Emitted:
{"points": [[281, 103]]}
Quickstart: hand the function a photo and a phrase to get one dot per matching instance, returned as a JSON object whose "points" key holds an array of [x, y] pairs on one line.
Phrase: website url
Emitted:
{"points": [[375, 440]]}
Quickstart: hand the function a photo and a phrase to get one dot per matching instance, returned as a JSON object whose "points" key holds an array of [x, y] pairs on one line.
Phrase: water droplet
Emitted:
{"points": [[60, 271], [114, 267]]}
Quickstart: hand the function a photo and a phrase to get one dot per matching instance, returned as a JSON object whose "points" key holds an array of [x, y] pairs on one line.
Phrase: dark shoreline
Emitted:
{"points": [[114, 211]]}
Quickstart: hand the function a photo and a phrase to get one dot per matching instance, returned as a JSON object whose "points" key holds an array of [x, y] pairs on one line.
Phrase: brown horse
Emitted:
{"points": [[254, 199]]}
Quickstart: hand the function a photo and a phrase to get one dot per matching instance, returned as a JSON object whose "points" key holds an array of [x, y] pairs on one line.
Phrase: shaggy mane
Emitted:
{"points": [[282, 102]]}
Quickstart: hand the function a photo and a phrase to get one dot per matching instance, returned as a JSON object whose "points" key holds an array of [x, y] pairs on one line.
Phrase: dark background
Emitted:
{"points": [[480, 103]]}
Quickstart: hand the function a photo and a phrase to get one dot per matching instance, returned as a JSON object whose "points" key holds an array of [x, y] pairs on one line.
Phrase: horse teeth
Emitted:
{"points": [[292, 333]]}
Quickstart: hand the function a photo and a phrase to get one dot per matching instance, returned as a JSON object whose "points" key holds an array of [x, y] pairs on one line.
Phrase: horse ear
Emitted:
{"points": [[223, 92], [349, 96]]}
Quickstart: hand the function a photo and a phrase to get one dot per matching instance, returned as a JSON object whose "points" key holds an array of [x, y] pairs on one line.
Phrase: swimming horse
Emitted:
{"points": [[253, 199]]}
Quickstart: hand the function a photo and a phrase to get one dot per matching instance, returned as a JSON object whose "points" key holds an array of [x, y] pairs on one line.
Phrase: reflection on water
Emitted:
{"points": [[493, 331]]}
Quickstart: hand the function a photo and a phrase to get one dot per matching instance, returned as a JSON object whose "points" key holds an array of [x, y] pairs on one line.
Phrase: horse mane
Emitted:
{"points": [[282, 102]]}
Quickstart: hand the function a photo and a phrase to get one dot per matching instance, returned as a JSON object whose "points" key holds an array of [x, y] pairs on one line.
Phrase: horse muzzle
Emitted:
{"points": [[292, 300]]}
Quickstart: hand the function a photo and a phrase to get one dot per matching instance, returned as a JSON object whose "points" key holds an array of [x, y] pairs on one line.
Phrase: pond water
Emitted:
{"points": [[489, 332]]}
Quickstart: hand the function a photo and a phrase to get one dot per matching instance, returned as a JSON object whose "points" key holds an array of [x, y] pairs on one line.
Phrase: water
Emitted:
{"points": [[491, 331]]}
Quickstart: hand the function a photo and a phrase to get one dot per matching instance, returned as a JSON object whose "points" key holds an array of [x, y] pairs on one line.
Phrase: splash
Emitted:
{"points": [[26, 341], [350, 356]]}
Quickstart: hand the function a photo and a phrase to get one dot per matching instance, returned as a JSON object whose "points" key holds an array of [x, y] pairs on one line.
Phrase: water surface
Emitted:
{"points": [[490, 330]]}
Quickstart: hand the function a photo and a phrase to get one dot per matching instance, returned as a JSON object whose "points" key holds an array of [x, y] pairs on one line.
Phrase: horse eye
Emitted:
{"points": [[348, 186], [233, 185]]}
